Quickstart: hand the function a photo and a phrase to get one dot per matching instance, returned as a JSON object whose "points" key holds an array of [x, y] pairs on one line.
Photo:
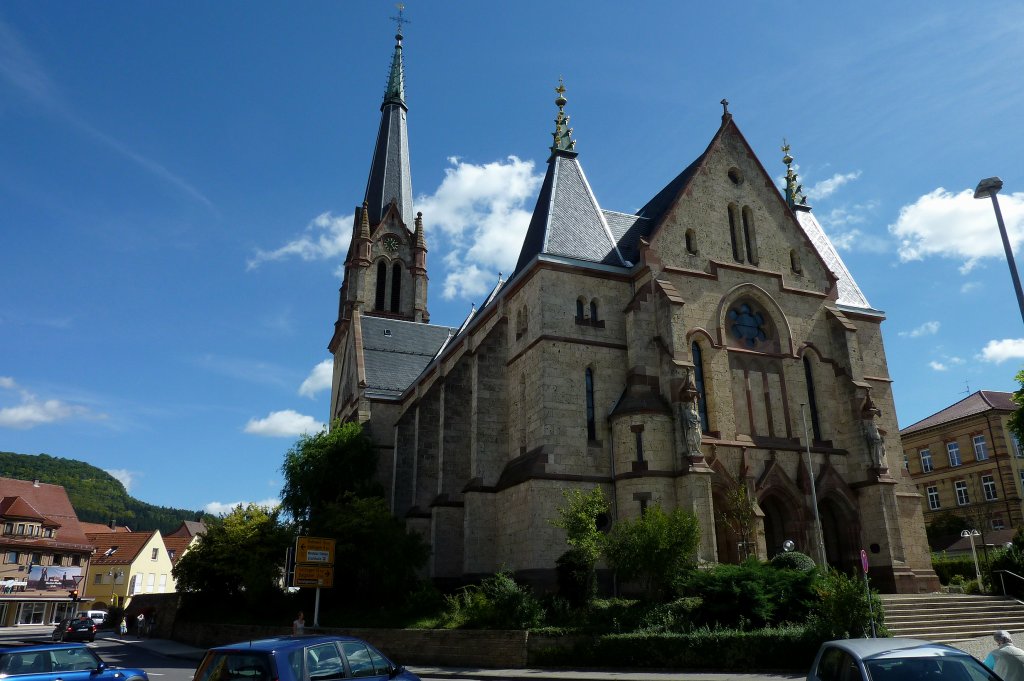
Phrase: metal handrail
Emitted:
{"points": [[1002, 579]]}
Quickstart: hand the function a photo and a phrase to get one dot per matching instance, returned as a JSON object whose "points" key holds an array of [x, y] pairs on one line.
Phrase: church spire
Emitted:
{"points": [[794, 190], [562, 136], [390, 178]]}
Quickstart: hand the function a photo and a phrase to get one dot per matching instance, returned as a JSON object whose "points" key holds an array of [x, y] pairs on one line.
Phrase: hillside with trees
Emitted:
{"points": [[97, 496]]}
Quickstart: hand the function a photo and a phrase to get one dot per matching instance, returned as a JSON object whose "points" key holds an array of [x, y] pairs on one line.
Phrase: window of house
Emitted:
{"points": [[980, 454], [12, 557], [49, 533], [37, 559], [58, 559], [76, 560], [962, 498], [749, 237], [9, 528], [97, 579], [591, 422], [1016, 447], [906, 461], [593, 310], [988, 486], [155, 554], [933, 497], [926, 461], [698, 379], [997, 522], [579, 309], [162, 586], [794, 262], [691, 246], [21, 528], [953, 449], [150, 581]]}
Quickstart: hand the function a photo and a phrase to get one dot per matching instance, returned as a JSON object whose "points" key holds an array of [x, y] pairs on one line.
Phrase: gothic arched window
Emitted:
{"points": [[812, 402], [591, 422], [396, 287], [698, 379], [749, 237], [593, 311], [747, 325], [579, 309], [734, 234], [382, 282]]}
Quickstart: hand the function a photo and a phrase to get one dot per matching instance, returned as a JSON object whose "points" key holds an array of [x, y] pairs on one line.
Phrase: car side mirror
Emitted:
{"points": [[395, 670], [102, 666]]}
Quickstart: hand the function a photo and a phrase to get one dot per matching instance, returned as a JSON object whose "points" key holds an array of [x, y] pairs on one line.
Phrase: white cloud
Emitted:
{"points": [[285, 423], [926, 329], [957, 226], [840, 224], [124, 476], [970, 286], [326, 236], [482, 211], [826, 188], [223, 508], [999, 351], [319, 379], [938, 366], [31, 411]]}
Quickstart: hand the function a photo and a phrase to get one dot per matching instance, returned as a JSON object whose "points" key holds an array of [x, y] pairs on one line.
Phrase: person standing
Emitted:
{"points": [[299, 625], [140, 625], [123, 628], [1007, 660]]}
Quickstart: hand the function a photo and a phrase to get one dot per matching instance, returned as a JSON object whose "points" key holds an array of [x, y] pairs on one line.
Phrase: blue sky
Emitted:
{"points": [[177, 181]]}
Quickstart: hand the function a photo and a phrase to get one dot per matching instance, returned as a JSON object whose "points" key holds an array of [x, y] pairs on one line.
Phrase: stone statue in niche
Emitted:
{"points": [[875, 436], [691, 419]]}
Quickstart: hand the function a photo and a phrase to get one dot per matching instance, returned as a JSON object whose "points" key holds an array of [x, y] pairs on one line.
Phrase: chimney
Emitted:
{"points": [[112, 525]]}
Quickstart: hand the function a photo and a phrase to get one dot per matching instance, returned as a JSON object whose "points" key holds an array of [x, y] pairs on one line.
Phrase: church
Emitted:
{"points": [[712, 341]]}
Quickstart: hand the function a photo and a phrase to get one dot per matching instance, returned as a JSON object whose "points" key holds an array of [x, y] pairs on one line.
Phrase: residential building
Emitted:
{"points": [[126, 564], [45, 553], [964, 460], [714, 339]]}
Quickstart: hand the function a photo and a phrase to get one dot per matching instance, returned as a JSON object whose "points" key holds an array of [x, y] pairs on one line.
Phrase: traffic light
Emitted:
{"points": [[73, 595]]}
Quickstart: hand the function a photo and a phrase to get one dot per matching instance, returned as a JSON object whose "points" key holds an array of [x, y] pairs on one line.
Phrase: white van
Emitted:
{"points": [[97, 616]]}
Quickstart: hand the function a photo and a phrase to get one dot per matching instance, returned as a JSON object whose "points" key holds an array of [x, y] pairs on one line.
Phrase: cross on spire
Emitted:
{"points": [[400, 19]]}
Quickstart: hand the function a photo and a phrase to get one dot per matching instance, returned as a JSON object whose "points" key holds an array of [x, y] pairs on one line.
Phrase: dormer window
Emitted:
{"points": [[110, 551]]}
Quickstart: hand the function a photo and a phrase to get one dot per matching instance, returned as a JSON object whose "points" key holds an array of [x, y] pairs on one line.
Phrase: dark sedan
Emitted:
{"points": [[81, 629]]}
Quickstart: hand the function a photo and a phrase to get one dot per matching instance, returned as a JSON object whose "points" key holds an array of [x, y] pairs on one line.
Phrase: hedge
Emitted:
{"points": [[946, 567]]}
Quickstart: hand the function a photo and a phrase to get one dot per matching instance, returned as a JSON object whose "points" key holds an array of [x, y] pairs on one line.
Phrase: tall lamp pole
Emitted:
{"points": [[977, 571], [814, 494], [988, 188]]}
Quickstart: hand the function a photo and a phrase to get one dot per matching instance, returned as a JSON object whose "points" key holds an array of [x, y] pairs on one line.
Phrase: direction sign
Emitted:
{"points": [[315, 550], [313, 575]]}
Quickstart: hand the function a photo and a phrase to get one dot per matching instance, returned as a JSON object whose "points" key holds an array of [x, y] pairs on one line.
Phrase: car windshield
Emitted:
{"points": [[955, 667]]}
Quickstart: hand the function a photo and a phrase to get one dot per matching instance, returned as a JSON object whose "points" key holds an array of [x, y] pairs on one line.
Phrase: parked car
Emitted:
{"points": [[299, 658], [78, 629], [61, 661], [97, 616], [895, 659]]}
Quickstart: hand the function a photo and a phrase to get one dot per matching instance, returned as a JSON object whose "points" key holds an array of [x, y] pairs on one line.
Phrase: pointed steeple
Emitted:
{"points": [[390, 177], [794, 190]]}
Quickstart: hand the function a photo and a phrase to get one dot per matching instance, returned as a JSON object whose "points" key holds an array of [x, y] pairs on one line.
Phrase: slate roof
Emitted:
{"points": [[128, 545], [567, 219], [390, 174], [976, 403], [850, 294], [49, 502], [394, 360]]}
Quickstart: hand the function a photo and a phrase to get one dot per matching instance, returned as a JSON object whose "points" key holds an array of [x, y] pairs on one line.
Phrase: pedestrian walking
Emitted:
{"points": [[1007, 660], [123, 628], [299, 625], [140, 625]]}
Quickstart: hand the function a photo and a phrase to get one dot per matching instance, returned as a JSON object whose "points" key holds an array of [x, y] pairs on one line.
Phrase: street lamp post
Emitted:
{"points": [[988, 188], [814, 494], [977, 571]]}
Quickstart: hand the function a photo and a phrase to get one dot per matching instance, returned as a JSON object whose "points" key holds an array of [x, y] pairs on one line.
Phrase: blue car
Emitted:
{"points": [[299, 658], [63, 661]]}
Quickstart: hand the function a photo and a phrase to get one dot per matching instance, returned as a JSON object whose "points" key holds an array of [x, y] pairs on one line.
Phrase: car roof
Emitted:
{"points": [[283, 643], [41, 646], [881, 648]]}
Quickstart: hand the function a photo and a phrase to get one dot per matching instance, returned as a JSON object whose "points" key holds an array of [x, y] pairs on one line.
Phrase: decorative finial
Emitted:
{"points": [[794, 190], [725, 110], [563, 133], [400, 19]]}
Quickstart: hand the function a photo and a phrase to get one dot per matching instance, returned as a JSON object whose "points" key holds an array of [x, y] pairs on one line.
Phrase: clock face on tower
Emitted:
{"points": [[390, 243]]}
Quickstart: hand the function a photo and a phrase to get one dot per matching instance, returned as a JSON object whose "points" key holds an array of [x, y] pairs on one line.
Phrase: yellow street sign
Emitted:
{"points": [[314, 550], [313, 575]]}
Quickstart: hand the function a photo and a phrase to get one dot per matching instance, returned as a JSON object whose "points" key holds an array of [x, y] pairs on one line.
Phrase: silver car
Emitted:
{"points": [[895, 659]]}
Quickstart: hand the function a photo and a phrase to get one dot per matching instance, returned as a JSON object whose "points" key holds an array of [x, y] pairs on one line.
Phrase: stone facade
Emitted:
{"points": [[669, 368]]}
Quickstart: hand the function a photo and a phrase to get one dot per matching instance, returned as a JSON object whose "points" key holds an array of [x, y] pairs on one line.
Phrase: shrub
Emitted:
{"points": [[674, 616], [577, 581], [497, 603], [749, 595], [793, 560], [948, 567], [843, 610], [654, 549]]}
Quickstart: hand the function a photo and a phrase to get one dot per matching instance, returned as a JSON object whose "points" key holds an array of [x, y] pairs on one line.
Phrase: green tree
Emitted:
{"points": [[843, 609], [654, 549], [241, 554], [741, 517], [1016, 421], [322, 469], [576, 567]]}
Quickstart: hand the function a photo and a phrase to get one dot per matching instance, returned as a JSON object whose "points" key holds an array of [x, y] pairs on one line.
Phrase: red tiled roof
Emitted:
{"points": [[189, 528], [48, 504], [976, 403], [178, 545], [128, 544], [101, 528]]}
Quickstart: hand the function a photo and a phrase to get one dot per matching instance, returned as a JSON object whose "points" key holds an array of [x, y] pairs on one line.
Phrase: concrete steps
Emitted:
{"points": [[947, 618]]}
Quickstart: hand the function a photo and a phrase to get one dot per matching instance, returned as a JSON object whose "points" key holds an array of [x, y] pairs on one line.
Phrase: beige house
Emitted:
{"points": [[964, 460], [711, 340], [126, 564]]}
